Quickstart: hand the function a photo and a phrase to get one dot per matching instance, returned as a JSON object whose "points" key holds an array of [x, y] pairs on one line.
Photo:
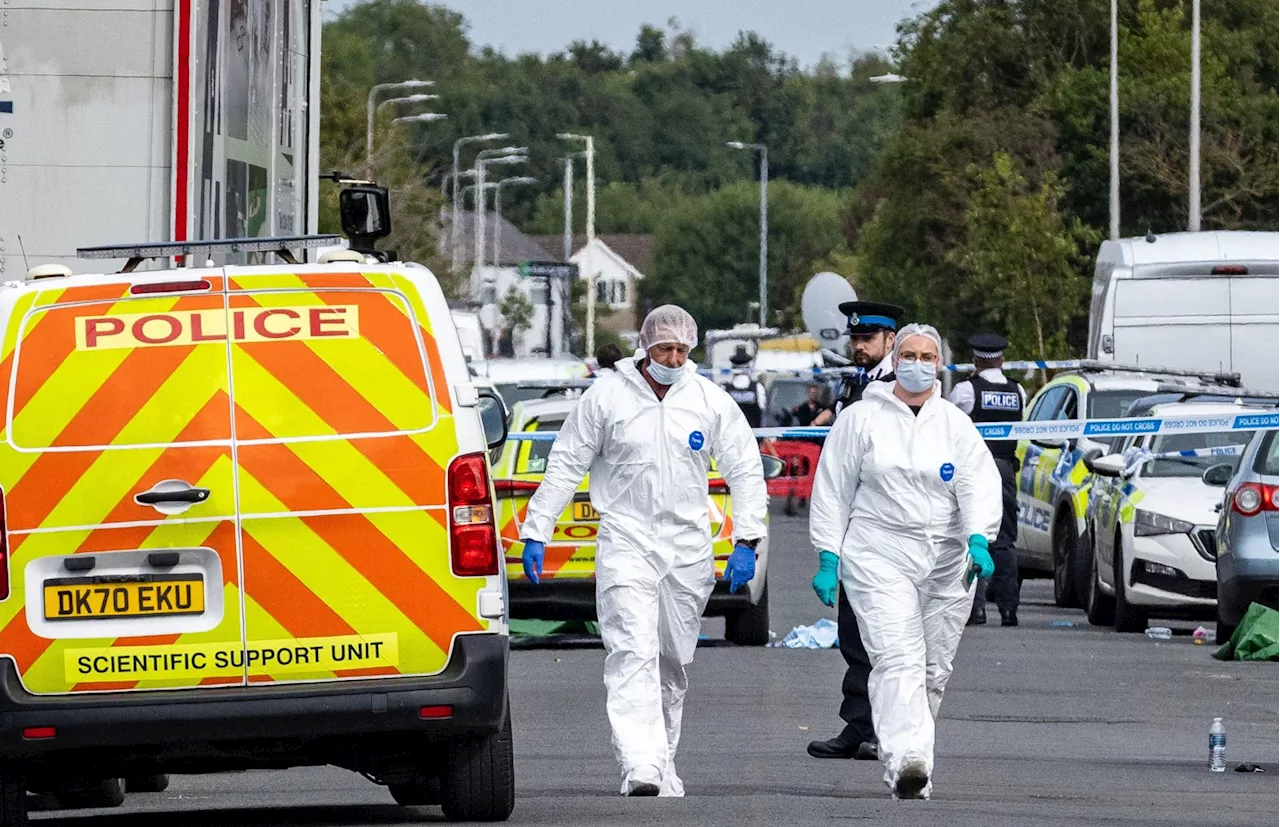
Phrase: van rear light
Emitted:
{"points": [[473, 537], [720, 486], [39, 733], [1253, 498], [430, 712], [1230, 270], [506, 489], [194, 286]]}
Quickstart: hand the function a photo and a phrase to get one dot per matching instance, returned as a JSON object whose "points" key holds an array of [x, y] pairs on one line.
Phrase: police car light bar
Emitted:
{"points": [[138, 253], [746, 334], [1232, 379]]}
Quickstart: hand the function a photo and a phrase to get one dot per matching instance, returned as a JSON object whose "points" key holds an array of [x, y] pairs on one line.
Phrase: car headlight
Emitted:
{"points": [[1149, 523]]}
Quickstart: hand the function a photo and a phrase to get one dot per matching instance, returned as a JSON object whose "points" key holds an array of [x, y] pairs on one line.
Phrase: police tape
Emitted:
{"points": [[1063, 430]]}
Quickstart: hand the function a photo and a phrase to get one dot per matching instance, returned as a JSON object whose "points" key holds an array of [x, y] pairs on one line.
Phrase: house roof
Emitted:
{"points": [[635, 248], [516, 246]]}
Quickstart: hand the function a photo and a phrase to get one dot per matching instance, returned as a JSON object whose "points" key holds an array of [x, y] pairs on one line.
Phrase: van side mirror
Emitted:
{"points": [[1218, 475], [493, 415], [773, 467], [365, 212]]}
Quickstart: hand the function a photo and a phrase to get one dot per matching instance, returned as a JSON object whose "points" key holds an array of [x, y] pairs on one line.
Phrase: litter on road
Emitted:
{"points": [[822, 635]]}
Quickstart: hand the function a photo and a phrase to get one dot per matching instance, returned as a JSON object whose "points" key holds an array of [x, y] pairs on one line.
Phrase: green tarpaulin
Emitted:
{"points": [[1256, 638]]}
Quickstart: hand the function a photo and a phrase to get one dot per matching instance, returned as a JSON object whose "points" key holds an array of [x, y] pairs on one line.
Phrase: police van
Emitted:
{"points": [[248, 522]]}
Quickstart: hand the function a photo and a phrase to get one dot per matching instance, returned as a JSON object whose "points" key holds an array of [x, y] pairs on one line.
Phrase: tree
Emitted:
{"points": [[706, 251], [1021, 260], [516, 311]]}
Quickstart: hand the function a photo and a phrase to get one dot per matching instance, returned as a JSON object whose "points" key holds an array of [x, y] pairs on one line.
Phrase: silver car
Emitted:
{"points": [[1248, 535]]}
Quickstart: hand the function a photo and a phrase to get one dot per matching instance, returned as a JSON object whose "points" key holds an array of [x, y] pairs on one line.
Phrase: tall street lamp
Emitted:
{"points": [[373, 93], [505, 155], [454, 246], [764, 225], [1114, 197], [1193, 183], [591, 232], [497, 213], [407, 99]]}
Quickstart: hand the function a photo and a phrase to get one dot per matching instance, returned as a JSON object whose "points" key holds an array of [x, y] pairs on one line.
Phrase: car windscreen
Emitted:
{"points": [[535, 462], [1111, 404], [1193, 466], [512, 393]]}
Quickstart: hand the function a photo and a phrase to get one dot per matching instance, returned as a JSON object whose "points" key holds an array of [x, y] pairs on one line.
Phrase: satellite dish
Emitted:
{"points": [[820, 306]]}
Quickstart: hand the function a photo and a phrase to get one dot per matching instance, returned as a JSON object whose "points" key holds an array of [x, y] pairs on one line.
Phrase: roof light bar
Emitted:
{"points": [[137, 253]]}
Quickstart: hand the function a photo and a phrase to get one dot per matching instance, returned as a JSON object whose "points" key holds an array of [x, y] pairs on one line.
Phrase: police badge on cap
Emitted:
{"points": [[866, 318]]}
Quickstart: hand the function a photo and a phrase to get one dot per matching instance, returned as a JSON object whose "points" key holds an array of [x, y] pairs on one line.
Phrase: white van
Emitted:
{"points": [[1194, 301]]}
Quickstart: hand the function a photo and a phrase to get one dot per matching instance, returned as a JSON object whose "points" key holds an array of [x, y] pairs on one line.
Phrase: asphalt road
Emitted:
{"points": [[1040, 726]]}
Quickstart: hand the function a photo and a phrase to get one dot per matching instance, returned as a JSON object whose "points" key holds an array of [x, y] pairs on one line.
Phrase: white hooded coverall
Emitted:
{"points": [[648, 461], [897, 496]]}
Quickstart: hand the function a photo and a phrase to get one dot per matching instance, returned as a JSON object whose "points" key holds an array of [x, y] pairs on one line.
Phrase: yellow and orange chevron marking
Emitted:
{"points": [[342, 446]]}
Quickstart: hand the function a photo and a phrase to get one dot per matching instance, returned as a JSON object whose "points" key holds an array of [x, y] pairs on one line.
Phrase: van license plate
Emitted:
{"points": [[583, 512], [81, 599]]}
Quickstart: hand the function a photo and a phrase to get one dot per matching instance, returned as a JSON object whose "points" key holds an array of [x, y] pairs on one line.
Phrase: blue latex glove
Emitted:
{"points": [[534, 551], [826, 583], [740, 568], [982, 562]]}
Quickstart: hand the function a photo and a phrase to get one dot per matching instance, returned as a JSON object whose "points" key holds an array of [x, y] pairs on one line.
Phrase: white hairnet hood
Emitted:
{"points": [[669, 324]]}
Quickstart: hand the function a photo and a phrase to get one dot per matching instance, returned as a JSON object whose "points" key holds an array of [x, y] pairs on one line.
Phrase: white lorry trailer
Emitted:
{"points": [[154, 120]]}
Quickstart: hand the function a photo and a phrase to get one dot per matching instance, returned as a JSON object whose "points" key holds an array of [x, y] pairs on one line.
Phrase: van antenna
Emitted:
{"points": [[22, 247]]}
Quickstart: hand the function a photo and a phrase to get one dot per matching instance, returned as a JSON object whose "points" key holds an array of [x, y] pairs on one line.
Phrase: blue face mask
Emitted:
{"points": [[664, 375], [916, 376]]}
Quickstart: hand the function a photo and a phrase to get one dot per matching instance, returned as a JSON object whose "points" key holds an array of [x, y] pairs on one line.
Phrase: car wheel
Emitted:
{"points": [[1100, 608], [108, 792], [749, 627], [13, 801], [1129, 618], [479, 782], [157, 783], [1065, 544]]}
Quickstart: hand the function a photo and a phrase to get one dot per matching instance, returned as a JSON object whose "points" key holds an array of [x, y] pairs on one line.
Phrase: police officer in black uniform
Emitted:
{"points": [[989, 396], [871, 333], [744, 389]]}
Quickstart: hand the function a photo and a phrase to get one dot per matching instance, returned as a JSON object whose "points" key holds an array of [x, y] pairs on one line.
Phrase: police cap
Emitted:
{"points": [[866, 318], [987, 345]]}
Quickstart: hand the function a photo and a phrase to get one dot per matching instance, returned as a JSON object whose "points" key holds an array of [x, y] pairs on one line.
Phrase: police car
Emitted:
{"points": [[247, 523], [1053, 481], [567, 587], [1152, 520]]}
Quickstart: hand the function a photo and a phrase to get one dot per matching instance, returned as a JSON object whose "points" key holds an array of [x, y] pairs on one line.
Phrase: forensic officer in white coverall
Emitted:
{"points": [[905, 503], [647, 435]]}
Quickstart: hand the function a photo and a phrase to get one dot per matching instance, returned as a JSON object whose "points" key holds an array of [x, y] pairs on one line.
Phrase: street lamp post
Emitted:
{"points": [[373, 93], [764, 225], [505, 155], [1193, 183], [591, 233], [454, 247], [1115, 123], [497, 213]]}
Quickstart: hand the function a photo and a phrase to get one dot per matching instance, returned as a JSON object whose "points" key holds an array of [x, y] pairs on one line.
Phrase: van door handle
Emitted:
{"points": [[172, 496]]}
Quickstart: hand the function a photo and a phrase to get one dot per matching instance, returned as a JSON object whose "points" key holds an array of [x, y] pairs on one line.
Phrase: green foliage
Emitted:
{"points": [[707, 251], [1003, 154], [516, 310]]}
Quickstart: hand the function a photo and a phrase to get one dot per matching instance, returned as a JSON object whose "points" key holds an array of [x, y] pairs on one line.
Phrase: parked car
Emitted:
{"points": [[1151, 522], [567, 590], [1053, 482], [507, 374], [1248, 534]]}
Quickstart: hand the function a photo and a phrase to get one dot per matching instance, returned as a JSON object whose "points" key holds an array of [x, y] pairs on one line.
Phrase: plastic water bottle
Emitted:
{"points": [[1217, 746], [1160, 633]]}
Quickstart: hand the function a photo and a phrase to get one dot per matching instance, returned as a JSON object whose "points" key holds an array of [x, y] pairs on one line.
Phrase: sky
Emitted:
{"points": [[804, 29]]}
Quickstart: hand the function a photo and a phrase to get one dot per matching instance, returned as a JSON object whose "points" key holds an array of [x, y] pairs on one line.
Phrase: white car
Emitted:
{"points": [[1152, 522]]}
